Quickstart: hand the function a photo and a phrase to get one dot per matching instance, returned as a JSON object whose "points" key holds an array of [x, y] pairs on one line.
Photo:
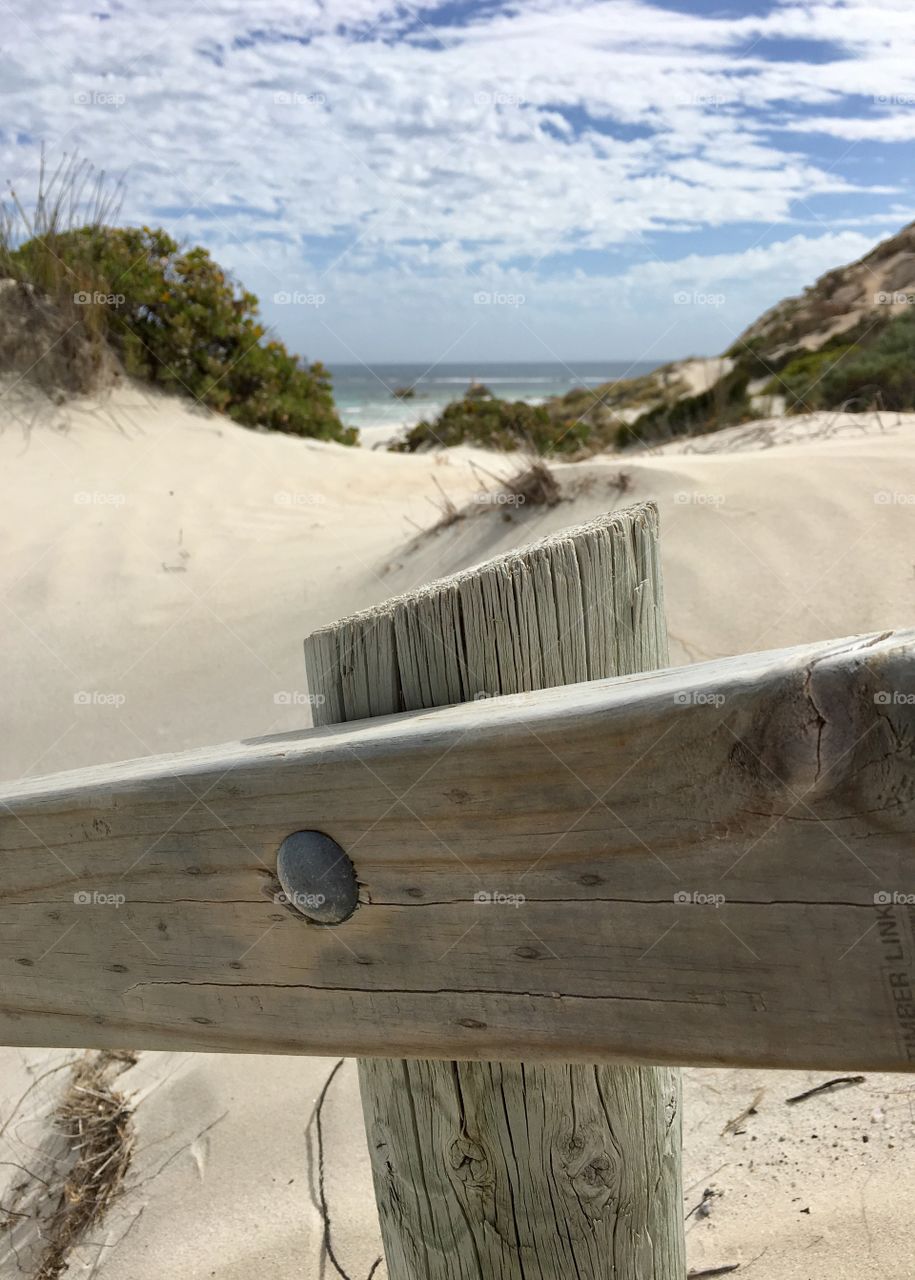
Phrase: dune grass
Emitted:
{"points": [[54, 323]]}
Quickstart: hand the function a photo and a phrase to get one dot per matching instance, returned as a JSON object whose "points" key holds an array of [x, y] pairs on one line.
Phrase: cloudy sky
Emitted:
{"points": [[546, 179]]}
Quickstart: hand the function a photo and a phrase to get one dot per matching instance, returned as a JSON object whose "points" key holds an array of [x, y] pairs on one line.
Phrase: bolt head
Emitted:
{"points": [[317, 878]]}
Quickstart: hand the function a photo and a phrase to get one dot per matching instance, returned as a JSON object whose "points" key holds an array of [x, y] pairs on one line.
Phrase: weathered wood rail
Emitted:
{"points": [[712, 865]]}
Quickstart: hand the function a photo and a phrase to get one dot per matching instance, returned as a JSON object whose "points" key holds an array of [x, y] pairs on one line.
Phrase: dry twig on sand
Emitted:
{"points": [[732, 1126], [317, 1120], [838, 1083]]}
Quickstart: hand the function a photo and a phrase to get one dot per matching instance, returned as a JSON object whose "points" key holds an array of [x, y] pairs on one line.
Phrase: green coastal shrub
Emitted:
{"points": [[495, 424], [878, 372], [811, 380], [753, 358], [801, 381], [723, 405], [176, 319]]}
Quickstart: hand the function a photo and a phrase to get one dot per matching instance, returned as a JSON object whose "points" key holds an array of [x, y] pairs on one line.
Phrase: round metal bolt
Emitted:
{"points": [[317, 878]]}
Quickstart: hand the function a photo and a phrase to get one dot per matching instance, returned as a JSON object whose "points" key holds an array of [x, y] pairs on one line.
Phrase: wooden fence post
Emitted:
{"points": [[509, 1170]]}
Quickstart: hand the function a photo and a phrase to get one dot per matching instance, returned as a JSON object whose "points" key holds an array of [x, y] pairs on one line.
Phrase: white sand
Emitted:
{"points": [[183, 586], [699, 373]]}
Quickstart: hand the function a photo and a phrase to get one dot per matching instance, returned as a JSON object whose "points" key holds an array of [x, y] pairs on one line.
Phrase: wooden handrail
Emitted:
{"points": [[712, 864]]}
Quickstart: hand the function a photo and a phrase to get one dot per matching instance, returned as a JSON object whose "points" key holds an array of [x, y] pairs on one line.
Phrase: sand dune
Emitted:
{"points": [[160, 570]]}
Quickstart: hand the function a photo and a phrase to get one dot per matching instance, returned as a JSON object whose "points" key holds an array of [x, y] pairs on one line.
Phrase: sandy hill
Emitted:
{"points": [[764, 370], [880, 283], [161, 567]]}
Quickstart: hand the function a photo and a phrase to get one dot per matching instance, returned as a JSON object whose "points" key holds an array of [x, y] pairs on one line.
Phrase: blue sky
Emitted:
{"points": [[554, 179]]}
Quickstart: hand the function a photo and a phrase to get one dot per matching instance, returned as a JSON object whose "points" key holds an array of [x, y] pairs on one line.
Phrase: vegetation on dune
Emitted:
{"points": [[755, 358], [871, 367], [649, 409], [723, 405], [584, 421], [879, 372], [83, 300], [494, 424], [165, 314], [800, 380], [175, 318], [52, 318], [870, 364]]}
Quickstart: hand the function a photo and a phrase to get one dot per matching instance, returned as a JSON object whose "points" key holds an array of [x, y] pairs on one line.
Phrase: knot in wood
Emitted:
{"points": [[594, 1173], [470, 1163]]}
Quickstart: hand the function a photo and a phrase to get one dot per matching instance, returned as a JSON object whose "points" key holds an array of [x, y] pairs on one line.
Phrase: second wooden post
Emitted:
{"points": [[509, 1170]]}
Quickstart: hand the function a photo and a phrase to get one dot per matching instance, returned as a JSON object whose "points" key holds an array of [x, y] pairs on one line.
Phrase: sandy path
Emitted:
{"points": [[166, 566]]}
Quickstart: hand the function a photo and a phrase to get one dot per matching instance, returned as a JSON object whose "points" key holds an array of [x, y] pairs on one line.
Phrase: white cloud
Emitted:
{"points": [[277, 131], [631, 313], [888, 128]]}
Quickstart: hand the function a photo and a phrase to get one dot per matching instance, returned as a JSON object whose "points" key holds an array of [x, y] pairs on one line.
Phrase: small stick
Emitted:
{"points": [[733, 1125], [821, 1088], [713, 1271]]}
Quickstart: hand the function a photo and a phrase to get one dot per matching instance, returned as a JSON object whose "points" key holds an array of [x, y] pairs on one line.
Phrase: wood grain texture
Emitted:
{"points": [[520, 1171], [579, 605], [509, 1171], [783, 781]]}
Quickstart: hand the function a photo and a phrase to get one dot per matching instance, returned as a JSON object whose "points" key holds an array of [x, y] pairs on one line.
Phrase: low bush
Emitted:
{"points": [[723, 405], [878, 372], [800, 382], [495, 424], [170, 315], [811, 380]]}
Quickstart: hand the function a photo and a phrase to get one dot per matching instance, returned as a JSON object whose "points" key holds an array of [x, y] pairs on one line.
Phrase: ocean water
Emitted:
{"points": [[364, 393]]}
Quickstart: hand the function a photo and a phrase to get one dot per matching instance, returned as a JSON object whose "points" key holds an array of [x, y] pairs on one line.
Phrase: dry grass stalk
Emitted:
{"points": [[535, 486], [97, 1122]]}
